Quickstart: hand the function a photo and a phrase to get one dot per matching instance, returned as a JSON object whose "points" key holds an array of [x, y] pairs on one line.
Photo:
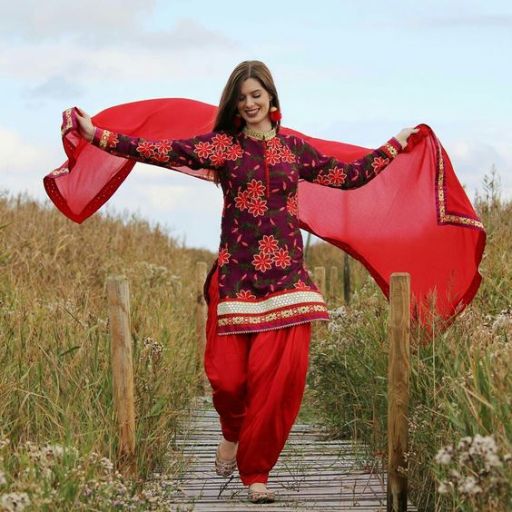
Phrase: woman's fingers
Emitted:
{"points": [[83, 114], [85, 125]]}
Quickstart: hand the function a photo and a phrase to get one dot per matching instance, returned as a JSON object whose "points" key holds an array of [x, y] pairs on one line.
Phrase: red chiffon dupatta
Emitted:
{"points": [[414, 217]]}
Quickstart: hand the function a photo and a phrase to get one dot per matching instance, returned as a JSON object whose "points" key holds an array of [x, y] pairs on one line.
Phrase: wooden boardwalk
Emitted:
{"points": [[312, 473]]}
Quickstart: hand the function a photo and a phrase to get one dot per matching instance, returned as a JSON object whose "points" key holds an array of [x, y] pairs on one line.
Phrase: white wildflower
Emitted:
{"points": [[338, 313], [482, 445], [52, 451], [469, 485], [106, 464], [444, 455], [464, 443], [503, 320], [492, 461], [14, 501], [444, 487]]}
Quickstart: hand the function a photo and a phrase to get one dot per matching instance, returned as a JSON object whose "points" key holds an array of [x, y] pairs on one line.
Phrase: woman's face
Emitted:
{"points": [[254, 104]]}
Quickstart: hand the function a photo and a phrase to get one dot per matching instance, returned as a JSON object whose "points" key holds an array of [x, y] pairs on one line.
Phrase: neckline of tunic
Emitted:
{"points": [[257, 139]]}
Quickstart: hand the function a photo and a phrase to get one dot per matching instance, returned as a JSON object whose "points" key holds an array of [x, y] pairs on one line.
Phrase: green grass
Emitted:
{"points": [[55, 375]]}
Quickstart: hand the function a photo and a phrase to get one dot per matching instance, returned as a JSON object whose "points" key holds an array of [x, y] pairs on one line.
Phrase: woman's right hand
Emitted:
{"points": [[85, 126]]}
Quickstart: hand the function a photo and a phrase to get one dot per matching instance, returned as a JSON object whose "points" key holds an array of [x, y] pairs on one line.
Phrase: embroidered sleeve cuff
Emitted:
{"points": [[392, 147], [104, 139]]}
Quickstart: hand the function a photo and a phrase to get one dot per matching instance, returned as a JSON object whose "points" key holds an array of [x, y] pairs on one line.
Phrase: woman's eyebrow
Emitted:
{"points": [[252, 92]]}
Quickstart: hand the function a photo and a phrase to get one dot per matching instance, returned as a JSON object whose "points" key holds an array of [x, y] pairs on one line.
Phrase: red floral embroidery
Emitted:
{"points": [[257, 206], [245, 294], [274, 143], [336, 176], [224, 256], [301, 285], [322, 179], [113, 140], [203, 149], [272, 156], [276, 152], [255, 188], [222, 141], [145, 148], [234, 152], [262, 261], [288, 156], [291, 205], [242, 200], [282, 258], [217, 159], [160, 157], [268, 244], [162, 147], [379, 163]]}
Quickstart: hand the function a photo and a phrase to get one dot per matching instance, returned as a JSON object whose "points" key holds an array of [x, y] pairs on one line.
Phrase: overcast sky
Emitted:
{"points": [[353, 71]]}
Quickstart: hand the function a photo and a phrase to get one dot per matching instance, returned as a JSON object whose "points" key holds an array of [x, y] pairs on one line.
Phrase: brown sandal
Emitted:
{"points": [[224, 467], [265, 496]]}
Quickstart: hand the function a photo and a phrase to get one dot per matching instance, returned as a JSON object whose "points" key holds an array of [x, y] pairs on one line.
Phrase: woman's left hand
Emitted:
{"points": [[404, 135]]}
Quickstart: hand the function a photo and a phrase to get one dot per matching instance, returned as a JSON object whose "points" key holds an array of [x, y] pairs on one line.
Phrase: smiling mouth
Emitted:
{"points": [[252, 112]]}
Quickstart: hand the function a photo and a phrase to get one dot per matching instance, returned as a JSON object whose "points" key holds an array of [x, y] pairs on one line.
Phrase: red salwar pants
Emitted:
{"points": [[258, 382]]}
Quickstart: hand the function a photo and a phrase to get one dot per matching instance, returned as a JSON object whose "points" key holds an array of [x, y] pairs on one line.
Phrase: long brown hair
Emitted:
{"points": [[229, 99]]}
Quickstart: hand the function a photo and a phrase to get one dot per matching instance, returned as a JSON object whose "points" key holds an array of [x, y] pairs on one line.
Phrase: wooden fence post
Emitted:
{"points": [[398, 391], [306, 247], [346, 278], [201, 312], [319, 274], [122, 368], [333, 284]]}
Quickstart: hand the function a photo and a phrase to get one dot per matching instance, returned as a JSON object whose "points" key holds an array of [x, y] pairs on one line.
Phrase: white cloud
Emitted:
{"points": [[16, 154], [473, 158], [169, 197], [58, 87], [181, 197], [74, 69], [478, 21], [30, 20], [23, 165]]}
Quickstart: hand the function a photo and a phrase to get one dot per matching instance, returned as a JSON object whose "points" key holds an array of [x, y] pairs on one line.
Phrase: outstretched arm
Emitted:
{"points": [[329, 171], [205, 151]]}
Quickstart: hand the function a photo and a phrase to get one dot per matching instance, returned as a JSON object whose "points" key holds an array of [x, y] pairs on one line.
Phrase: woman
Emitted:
{"points": [[261, 300]]}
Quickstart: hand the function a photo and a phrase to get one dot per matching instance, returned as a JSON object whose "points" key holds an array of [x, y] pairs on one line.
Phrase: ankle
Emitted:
{"points": [[228, 449], [258, 486]]}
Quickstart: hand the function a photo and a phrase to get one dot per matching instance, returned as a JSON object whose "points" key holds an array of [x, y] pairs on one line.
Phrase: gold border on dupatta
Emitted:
{"points": [[444, 217]]}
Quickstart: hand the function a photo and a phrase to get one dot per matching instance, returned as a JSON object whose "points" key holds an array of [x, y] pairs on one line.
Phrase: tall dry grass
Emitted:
{"points": [[460, 452], [55, 378]]}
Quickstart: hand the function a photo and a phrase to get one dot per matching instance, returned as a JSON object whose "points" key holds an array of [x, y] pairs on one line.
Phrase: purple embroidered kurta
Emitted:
{"points": [[262, 280]]}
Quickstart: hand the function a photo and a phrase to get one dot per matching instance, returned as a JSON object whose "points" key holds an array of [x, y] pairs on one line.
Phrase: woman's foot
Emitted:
{"points": [[258, 493], [225, 458]]}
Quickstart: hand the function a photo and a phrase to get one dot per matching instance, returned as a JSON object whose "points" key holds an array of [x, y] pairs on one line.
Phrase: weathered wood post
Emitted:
{"points": [[201, 312], [398, 391], [319, 274], [333, 284], [122, 368], [306, 247], [346, 278]]}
